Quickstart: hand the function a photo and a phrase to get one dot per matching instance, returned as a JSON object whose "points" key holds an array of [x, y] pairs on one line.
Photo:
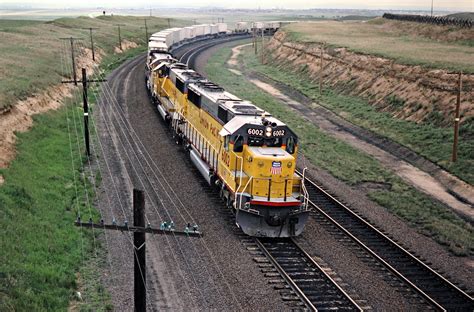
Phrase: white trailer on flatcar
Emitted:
{"points": [[222, 28], [207, 29], [242, 27], [189, 33], [214, 29], [198, 30]]}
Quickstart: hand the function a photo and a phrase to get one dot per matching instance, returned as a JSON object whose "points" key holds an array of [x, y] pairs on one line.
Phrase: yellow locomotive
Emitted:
{"points": [[244, 151]]}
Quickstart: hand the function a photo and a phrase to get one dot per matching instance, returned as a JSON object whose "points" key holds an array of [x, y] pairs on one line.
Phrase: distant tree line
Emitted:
{"points": [[437, 20]]}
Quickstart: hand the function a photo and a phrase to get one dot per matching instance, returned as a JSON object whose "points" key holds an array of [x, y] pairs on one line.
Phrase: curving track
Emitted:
{"points": [[290, 258], [438, 291], [313, 286], [184, 274], [188, 53]]}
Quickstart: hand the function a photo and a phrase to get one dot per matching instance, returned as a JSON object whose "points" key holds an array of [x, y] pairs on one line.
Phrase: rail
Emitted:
{"points": [[306, 278], [430, 285]]}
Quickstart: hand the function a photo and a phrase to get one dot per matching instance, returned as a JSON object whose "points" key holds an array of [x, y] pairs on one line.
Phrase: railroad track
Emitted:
{"points": [[302, 274], [311, 284], [430, 285], [189, 55]]}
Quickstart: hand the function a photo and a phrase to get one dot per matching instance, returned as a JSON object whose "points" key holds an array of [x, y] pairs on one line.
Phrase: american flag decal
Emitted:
{"points": [[276, 167]]}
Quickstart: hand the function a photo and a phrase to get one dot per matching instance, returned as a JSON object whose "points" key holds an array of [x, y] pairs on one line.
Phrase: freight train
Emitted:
{"points": [[241, 149], [268, 27]]}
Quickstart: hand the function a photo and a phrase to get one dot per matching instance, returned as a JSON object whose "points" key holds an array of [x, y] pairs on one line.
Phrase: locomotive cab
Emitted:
{"points": [[261, 165]]}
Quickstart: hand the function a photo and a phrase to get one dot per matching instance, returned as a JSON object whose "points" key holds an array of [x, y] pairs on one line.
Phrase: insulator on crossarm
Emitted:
{"points": [[78, 219], [148, 225], [90, 220], [126, 223], [101, 221], [114, 222]]}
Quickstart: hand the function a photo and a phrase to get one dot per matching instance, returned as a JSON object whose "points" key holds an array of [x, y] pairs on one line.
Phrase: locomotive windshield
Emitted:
{"points": [[261, 141]]}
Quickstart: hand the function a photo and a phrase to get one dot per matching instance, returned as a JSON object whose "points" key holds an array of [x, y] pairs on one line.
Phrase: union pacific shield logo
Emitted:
{"points": [[276, 167]]}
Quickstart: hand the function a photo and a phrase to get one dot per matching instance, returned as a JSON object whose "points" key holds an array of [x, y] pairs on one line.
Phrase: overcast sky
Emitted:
{"points": [[456, 5]]}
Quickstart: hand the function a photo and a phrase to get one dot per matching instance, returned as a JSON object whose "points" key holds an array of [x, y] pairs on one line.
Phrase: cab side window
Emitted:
{"points": [[239, 144], [290, 145]]}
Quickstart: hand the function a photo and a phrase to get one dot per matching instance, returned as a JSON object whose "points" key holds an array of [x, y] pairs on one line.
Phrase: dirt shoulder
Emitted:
{"points": [[416, 177]]}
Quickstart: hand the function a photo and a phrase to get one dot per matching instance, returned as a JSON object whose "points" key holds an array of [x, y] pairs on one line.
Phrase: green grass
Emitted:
{"points": [[45, 259], [41, 249], [30, 50], [351, 165], [406, 43], [427, 139]]}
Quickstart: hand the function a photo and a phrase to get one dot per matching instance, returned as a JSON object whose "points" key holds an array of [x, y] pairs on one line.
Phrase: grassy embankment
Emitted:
{"points": [[406, 43], [350, 164], [29, 50], [44, 258], [429, 138]]}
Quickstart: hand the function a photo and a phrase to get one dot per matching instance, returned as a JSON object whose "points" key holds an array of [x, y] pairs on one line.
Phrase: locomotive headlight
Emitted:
{"points": [[289, 164], [268, 131]]}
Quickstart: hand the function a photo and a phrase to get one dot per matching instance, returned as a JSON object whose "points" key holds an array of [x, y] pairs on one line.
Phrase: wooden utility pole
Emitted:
{"points": [[139, 247], [169, 22], [255, 40], [432, 8], [92, 41], [146, 31], [73, 58], [139, 263], [263, 49], [119, 36], [457, 120], [321, 71], [85, 106], [86, 112]]}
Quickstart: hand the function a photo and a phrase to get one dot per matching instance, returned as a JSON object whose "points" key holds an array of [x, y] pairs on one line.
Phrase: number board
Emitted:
{"points": [[260, 132], [253, 131]]}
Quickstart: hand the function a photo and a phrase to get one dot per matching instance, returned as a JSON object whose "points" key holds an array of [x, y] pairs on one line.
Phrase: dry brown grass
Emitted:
{"points": [[407, 43]]}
